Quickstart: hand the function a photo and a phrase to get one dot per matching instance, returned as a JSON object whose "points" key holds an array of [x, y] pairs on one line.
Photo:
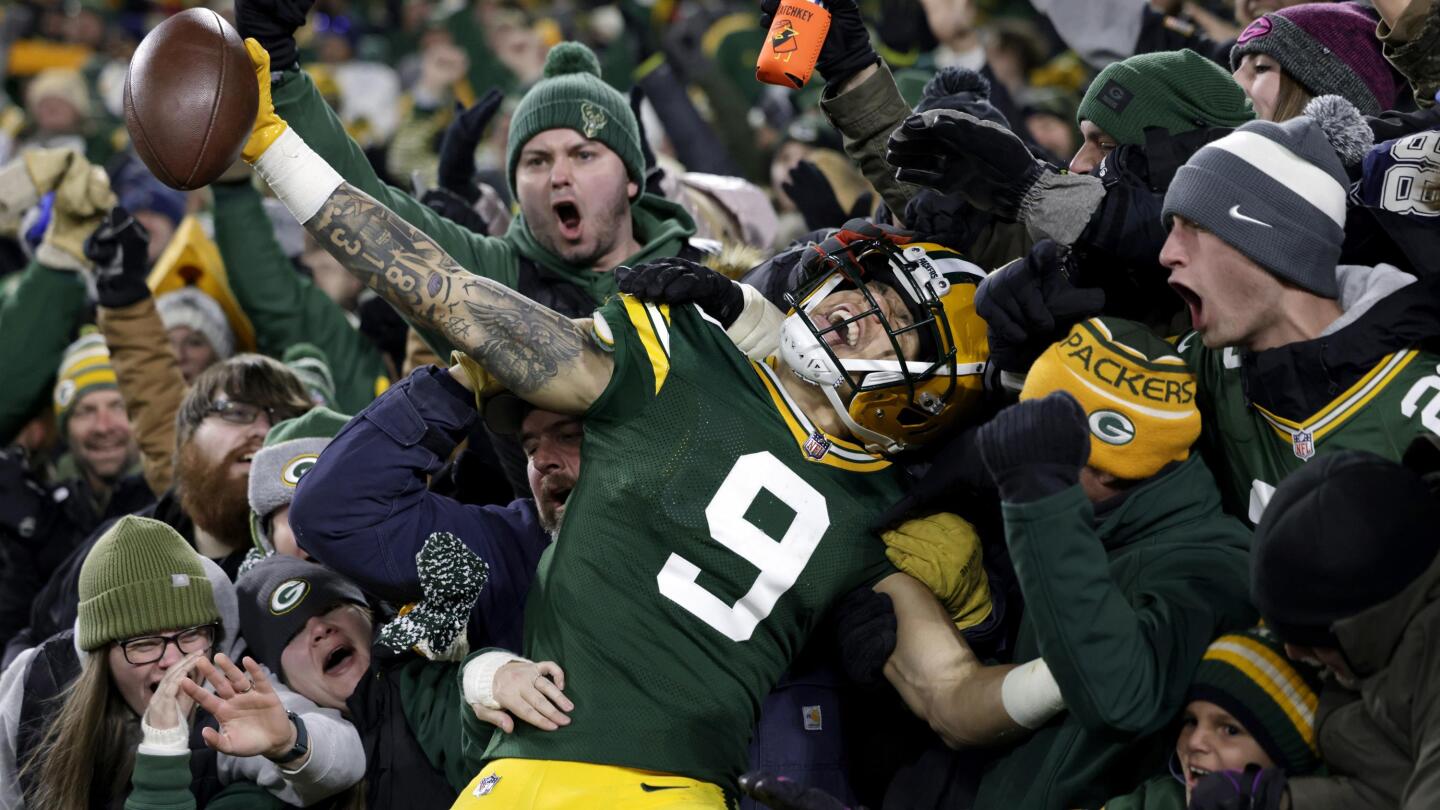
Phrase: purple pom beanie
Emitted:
{"points": [[1329, 48]]}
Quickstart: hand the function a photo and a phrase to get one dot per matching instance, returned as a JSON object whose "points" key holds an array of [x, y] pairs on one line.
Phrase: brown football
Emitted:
{"points": [[190, 98]]}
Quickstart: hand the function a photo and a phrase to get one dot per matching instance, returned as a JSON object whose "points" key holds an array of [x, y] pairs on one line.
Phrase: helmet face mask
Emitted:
{"points": [[898, 402]]}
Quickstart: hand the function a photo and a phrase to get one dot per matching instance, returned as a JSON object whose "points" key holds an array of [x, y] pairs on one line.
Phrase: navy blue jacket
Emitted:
{"points": [[365, 509]]}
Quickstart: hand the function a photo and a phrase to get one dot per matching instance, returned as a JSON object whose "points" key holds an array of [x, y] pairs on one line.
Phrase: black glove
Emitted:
{"points": [[673, 280], [1255, 789], [456, 172], [1029, 303], [780, 793], [1036, 448], [847, 49], [865, 632], [956, 471], [956, 152], [456, 208], [120, 250], [812, 193], [948, 219], [273, 23]]}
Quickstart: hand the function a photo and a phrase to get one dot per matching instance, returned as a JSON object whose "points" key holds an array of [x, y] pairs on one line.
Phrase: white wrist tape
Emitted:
{"points": [[1030, 694], [757, 331], [164, 742], [478, 683], [301, 179]]}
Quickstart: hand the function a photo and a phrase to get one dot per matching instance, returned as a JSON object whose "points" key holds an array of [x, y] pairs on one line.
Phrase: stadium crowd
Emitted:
{"points": [[1040, 408]]}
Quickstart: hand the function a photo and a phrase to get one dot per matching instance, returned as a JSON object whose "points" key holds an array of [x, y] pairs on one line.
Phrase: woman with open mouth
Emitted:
{"points": [[1250, 707]]}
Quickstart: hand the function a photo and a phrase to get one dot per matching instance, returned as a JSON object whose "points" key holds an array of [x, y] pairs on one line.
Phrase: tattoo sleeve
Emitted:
{"points": [[531, 349]]}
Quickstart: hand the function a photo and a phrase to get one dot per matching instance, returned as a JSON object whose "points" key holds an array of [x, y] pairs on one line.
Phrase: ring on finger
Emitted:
{"points": [[249, 685]]}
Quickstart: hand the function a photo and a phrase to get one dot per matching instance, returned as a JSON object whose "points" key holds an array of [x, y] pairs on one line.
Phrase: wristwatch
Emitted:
{"points": [[302, 742]]}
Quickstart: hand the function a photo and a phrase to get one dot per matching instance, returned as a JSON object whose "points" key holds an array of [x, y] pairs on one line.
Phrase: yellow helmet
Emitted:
{"points": [[900, 403]]}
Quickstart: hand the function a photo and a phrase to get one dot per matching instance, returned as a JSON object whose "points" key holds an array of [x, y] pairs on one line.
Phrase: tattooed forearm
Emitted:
{"points": [[525, 345]]}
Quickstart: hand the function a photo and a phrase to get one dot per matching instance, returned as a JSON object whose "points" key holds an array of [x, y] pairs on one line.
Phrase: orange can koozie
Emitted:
{"points": [[793, 44]]}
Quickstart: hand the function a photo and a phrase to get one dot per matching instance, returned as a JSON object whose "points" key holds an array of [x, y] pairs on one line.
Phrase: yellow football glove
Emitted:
{"points": [[943, 551], [476, 378], [268, 125]]}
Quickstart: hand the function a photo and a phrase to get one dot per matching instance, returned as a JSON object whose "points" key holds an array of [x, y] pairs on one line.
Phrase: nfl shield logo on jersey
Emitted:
{"points": [[1304, 444], [817, 445], [486, 785]]}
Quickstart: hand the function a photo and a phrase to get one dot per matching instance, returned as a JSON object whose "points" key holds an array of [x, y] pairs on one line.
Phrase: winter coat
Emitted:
{"points": [[1160, 793], [150, 381], [37, 321], [661, 227], [1121, 605], [1369, 382], [40, 524], [1382, 745], [287, 308]]}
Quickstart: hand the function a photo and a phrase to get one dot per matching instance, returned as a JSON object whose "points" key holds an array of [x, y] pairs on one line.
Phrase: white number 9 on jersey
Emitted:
{"points": [[780, 562]]}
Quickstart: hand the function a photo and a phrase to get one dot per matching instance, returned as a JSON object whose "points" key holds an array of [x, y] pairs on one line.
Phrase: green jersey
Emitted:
{"points": [[1252, 450], [711, 528]]}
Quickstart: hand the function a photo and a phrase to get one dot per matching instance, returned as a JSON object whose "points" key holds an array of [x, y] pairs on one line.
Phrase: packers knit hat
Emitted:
{"points": [[190, 307], [1344, 533], [1329, 48], [1277, 192], [141, 577], [1177, 91], [291, 449], [279, 594], [312, 365], [1248, 675], [84, 367], [573, 96], [1138, 395]]}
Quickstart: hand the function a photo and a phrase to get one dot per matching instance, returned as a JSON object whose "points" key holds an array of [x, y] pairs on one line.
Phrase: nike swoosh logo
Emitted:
{"points": [[1235, 214], [653, 788]]}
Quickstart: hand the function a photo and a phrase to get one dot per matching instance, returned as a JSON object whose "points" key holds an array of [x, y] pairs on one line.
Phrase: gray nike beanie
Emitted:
{"points": [[1277, 192]]}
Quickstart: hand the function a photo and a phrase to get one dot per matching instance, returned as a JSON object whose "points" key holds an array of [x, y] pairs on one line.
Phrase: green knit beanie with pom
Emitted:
{"points": [[1177, 91], [573, 96], [141, 578]]}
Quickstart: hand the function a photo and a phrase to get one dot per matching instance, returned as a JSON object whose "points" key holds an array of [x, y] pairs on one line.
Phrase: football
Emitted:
{"points": [[190, 98]]}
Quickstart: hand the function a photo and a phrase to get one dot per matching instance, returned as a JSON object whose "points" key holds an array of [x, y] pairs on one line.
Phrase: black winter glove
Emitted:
{"points": [[865, 634], [119, 248], [1036, 448], [780, 793], [456, 208], [956, 152], [956, 470], [948, 219], [674, 281], [273, 23], [1029, 303], [1255, 789], [456, 172], [847, 49], [815, 197]]}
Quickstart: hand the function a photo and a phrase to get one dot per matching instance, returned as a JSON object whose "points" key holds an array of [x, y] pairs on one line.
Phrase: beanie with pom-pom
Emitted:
{"points": [[1277, 192], [571, 95]]}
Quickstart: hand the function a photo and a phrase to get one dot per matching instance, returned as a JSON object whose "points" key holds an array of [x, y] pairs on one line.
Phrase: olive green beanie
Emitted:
{"points": [[141, 577], [573, 96], [1178, 91]]}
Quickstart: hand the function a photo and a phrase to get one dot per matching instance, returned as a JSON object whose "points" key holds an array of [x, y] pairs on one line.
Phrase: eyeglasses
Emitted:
{"points": [[243, 413], [149, 649]]}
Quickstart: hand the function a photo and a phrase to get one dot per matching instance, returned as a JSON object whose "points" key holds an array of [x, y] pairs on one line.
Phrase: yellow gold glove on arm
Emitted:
{"points": [[301, 179], [943, 551], [476, 378]]}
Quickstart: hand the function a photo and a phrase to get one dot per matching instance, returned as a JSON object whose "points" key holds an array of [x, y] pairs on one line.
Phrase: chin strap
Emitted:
{"points": [[874, 442]]}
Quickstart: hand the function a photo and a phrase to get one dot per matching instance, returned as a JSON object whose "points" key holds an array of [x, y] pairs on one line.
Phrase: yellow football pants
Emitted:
{"points": [[542, 784]]}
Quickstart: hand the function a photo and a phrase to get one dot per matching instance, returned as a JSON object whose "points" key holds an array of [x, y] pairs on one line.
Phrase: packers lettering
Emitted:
{"points": [[797, 12], [1135, 382]]}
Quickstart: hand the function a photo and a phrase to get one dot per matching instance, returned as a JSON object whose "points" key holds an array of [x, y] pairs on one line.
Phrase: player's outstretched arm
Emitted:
{"points": [[966, 702], [534, 351]]}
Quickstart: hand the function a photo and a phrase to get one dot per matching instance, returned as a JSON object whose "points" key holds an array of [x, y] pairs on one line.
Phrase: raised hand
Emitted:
{"points": [[956, 152], [456, 171], [847, 49], [120, 250], [273, 24], [1029, 304], [170, 707], [252, 718], [680, 281]]}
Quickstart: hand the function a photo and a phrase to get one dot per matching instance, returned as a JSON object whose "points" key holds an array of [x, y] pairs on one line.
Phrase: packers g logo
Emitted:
{"points": [[64, 393], [286, 597], [1112, 427], [296, 468]]}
